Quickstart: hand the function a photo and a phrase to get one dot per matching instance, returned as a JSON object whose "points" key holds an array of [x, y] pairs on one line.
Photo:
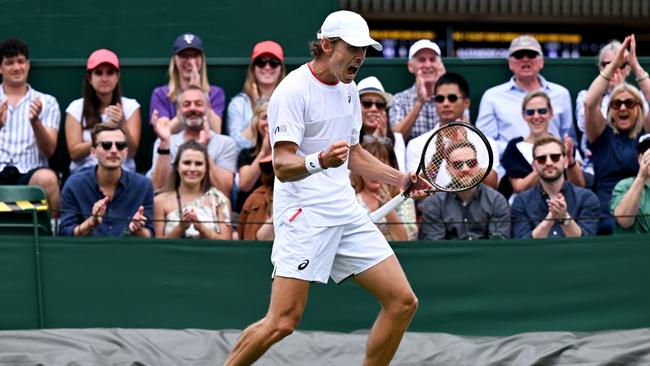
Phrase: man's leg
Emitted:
{"points": [[288, 300], [388, 283], [48, 180]]}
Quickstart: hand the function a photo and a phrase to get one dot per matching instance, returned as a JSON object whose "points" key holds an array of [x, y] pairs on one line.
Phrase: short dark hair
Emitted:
{"points": [[453, 78], [104, 126], [12, 47], [315, 48], [455, 145], [548, 139]]}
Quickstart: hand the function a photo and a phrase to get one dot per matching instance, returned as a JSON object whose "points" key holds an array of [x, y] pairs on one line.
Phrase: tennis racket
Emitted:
{"points": [[456, 157]]}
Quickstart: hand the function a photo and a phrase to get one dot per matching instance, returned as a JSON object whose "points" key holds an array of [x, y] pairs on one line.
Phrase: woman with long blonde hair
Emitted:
{"points": [[187, 67]]}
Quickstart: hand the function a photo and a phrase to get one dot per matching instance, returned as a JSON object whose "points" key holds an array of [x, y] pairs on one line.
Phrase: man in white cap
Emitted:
{"points": [[320, 229], [499, 113], [414, 111]]}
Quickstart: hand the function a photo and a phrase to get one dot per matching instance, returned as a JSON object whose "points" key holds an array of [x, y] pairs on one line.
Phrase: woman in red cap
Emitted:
{"points": [[186, 67], [265, 72], [102, 101]]}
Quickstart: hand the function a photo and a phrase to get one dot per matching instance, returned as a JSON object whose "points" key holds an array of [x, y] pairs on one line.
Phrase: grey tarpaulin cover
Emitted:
{"points": [[202, 347]]}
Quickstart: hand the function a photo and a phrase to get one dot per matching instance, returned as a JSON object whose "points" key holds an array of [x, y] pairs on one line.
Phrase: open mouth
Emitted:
{"points": [[352, 70]]}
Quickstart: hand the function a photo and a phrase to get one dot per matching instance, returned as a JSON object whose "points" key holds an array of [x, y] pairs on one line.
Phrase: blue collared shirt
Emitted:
{"points": [[500, 117], [81, 191], [530, 208]]}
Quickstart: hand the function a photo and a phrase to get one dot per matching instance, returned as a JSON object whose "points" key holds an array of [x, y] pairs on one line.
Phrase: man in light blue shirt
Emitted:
{"points": [[499, 113]]}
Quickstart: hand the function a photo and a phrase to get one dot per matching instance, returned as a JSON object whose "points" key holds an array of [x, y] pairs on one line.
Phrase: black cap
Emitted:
{"points": [[187, 40]]}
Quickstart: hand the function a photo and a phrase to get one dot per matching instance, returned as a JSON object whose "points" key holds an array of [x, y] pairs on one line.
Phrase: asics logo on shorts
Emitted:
{"points": [[303, 264]]}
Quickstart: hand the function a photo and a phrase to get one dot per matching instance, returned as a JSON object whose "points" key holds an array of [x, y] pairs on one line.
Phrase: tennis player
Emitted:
{"points": [[321, 230]]}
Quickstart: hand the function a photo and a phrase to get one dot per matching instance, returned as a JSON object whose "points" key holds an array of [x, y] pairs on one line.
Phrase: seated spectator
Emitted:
{"points": [[477, 213], [537, 111], [620, 75], [191, 207], [399, 224], [499, 116], [554, 207], [29, 124], [612, 139], [452, 103], [264, 73], [107, 200], [193, 114], [256, 217], [102, 101], [375, 103], [413, 112], [187, 67], [631, 196], [249, 159]]}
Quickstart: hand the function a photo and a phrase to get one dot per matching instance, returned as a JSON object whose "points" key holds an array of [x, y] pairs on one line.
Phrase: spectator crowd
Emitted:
{"points": [[212, 177]]}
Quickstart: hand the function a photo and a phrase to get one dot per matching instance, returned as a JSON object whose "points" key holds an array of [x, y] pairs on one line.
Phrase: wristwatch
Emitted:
{"points": [[565, 221]]}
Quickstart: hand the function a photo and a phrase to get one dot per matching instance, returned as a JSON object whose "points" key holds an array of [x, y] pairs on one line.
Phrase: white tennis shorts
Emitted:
{"points": [[315, 253]]}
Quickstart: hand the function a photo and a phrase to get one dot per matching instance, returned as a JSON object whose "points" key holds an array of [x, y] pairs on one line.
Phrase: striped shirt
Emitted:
{"points": [[17, 140]]}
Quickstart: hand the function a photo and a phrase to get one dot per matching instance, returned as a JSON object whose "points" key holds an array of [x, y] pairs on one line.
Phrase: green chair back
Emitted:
{"points": [[17, 206]]}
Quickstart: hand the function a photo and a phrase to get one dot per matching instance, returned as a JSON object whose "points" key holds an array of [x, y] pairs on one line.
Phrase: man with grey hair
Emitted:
{"points": [[192, 112], [499, 114], [414, 112]]}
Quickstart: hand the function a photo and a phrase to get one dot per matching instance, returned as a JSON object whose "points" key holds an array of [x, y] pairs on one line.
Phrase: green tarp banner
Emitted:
{"points": [[490, 288]]}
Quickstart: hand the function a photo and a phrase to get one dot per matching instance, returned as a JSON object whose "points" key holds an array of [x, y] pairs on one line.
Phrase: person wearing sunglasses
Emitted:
{"points": [[264, 73], [537, 111], [375, 104], [499, 114], [477, 213], [102, 101], [554, 207], [612, 137], [451, 98], [190, 207], [631, 197], [187, 67], [619, 76], [193, 114], [413, 112], [107, 200]]}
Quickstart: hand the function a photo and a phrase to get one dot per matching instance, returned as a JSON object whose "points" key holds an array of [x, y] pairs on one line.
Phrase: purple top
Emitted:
{"points": [[167, 108]]}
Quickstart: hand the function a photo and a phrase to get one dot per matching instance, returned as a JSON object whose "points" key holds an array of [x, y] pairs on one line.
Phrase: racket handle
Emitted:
{"points": [[388, 207]]}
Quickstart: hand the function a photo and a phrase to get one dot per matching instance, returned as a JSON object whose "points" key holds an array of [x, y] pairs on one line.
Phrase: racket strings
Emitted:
{"points": [[456, 158]]}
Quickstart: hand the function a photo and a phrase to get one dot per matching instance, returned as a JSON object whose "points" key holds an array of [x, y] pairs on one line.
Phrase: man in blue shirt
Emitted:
{"points": [[107, 200], [554, 207], [499, 114]]}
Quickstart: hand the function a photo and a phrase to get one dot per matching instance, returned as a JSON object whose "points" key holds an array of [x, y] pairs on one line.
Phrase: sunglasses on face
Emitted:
{"points": [[458, 165], [605, 63], [540, 111], [107, 145], [452, 98], [629, 103], [369, 103], [525, 53], [541, 159], [261, 62]]}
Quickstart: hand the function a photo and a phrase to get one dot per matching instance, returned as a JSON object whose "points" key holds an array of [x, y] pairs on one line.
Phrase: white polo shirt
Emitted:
{"points": [[314, 115]]}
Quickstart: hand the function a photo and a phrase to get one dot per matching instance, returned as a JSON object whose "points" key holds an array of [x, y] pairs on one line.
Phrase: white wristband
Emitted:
{"points": [[312, 164]]}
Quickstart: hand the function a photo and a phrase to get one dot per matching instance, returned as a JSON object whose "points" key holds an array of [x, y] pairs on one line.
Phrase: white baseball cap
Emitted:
{"points": [[372, 85], [350, 27], [422, 44]]}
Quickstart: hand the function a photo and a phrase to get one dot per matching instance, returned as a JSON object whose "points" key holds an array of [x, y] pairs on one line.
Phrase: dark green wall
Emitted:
{"points": [[489, 288], [147, 28]]}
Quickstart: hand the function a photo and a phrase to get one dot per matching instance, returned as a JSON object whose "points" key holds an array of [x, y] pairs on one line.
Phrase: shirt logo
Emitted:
{"points": [[281, 128]]}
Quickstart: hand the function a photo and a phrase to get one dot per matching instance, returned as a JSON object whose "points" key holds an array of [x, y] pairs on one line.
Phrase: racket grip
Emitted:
{"points": [[388, 207]]}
